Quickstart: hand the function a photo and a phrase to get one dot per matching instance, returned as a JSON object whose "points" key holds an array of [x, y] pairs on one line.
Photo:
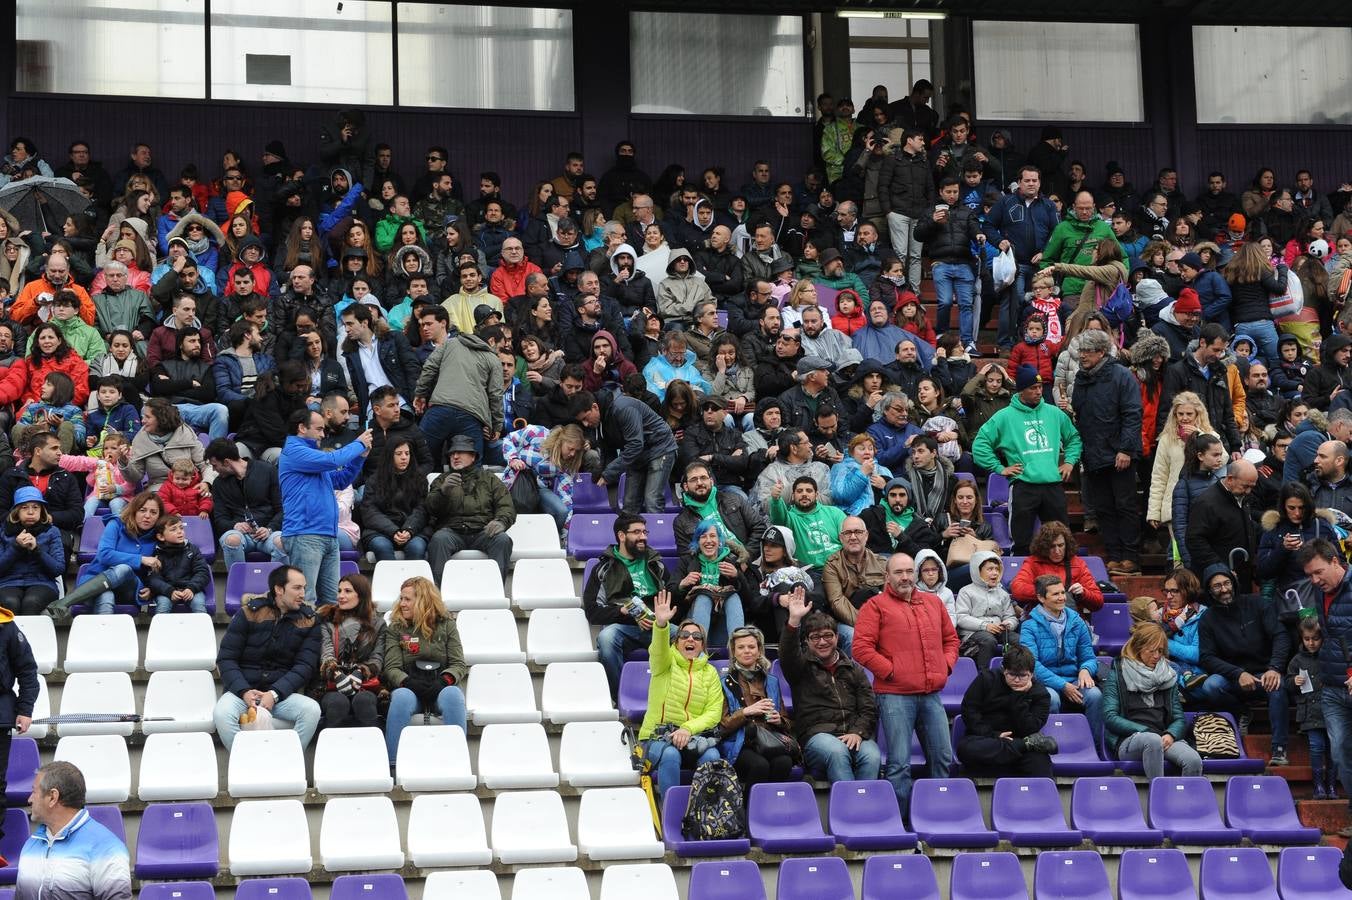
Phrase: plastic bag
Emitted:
{"points": [[1003, 269], [255, 718], [1290, 303]]}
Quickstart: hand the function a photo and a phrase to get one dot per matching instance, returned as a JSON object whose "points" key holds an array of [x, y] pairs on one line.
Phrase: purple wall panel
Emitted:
{"points": [[1239, 152], [732, 144]]}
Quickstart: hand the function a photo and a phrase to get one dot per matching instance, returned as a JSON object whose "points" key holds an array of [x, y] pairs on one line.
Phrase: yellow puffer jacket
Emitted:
{"points": [[682, 692]]}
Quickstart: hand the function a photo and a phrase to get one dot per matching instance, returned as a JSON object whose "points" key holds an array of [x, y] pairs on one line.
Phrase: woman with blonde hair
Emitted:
{"points": [[1101, 278], [424, 664], [1187, 416], [1142, 710], [801, 295], [555, 456]]}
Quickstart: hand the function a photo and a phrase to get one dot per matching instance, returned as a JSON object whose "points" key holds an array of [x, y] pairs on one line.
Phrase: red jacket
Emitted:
{"points": [[1022, 589], [1041, 356], [33, 376], [849, 324], [187, 501], [508, 282], [910, 646]]}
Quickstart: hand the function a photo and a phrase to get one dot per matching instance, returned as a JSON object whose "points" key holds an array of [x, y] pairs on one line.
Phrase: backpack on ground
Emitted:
{"points": [[1214, 737], [715, 811]]}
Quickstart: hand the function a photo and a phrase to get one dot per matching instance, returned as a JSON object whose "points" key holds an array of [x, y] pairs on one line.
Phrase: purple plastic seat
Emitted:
{"points": [[661, 536], [945, 812], [987, 876], [1027, 812], [199, 532], [16, 832], [90, 535], [588, 498], [1011, 565], [999, 524], [633, 693], [673, 810], [1071, 873], [368, 887], [1154, 875], [785, 690], [961, 678], [177, 840], [908, 877], [273, 889], [1310, 873], [23, 764], [1108, 812], [965, 476], [727, 879], [109, 817], [1185, 810], [1112, 627], [864, 815], [783, 818], [1076, 752], [1099, 570], [820, 878], [246, 578], [178, 890], [1244, 765], [1262, 809], [997, 491], [129, 609], [589, 534], [1236, 873]]}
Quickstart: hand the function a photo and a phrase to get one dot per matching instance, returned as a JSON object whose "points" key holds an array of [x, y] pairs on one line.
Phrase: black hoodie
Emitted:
{"points": [[623, 178]]}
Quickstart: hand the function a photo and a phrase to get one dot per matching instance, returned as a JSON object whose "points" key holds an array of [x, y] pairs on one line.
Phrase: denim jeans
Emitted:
{"points": [[612, 644], [114, 507], [826, 753], [844, 638], [901, 231], [1211, 694], [702, 611], [900, 715], [666, 760], [952, 279], [297, 708], [1336, 704], [123, 588], [213, 418], [441, 423], [1148, 747], [234, 544], [1092, 705], [404, 703], [384, 548], [555, 506], [316, 555], [1265, 333], [647, 484], [197, 604]]}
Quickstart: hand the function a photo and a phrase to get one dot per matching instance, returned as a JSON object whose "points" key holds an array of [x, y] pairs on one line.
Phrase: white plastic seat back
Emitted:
{"points": [[447, 830], [359, 834], [472, 584], [104, 762], [266, 764], [471, 884], [651, 881], [577, 692], [40, 632], [270, 837], [179, 767], [593, 754], [531, 827], [434, 758], [535, 536], [501, 692], [42, 708], [516, 757], [559, 635], [563, 883], [97, 692], [617, 823], [187, 697], [102, 644], [352, 761], [181, 641], [489, 636], [390, 573], [543, 583]]}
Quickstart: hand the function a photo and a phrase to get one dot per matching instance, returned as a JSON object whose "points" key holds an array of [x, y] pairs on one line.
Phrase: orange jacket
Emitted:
{"points": [[25, 308], [1023, 592], [910, 646]]}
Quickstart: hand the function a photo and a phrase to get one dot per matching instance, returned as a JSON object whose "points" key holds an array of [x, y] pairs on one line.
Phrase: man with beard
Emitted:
{"points": [[337, 201], [1259, 399], [618, 596], [758, 342], [236, 370], [438, 208], [824, 342], [701, 499], [718, 446], [627, 283], [186, 379], [893, 526], [745, 311], [490, 191], [719, 265]]}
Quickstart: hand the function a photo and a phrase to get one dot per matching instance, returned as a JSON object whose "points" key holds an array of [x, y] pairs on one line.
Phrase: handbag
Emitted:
{"points": [[525, 492], [348, 679], [964, 546], [769, 743]]}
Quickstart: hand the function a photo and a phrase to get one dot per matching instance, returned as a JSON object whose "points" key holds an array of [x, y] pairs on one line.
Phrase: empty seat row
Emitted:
{"points": [[650, 881], [590, 533], [537, 583], [175, 641]]}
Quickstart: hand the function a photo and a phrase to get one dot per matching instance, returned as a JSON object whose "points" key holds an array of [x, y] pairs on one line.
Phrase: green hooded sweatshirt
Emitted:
{"points": [[1035, 436], [1073, 241], [816, 533]]}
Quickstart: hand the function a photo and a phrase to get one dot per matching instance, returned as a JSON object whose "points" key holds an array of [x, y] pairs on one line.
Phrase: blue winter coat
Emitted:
{"points": [[1337, 620], [1057, 664], [1027, 227], [1214, 293], [850, 487], [27, 568], [308, 477], [1186, 493], [1275, 562], [229, 374], [1183, 646], [659, 372], [891, 442], [118, 547]]}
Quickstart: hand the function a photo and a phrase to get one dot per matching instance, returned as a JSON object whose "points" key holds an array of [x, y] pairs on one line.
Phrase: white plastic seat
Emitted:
{"points": [[40, 632], [515, 757], [593, 754], [270, 837], [543, 584], [471, 884], [179, 767], [187, 697], [102, 644], [352, 761], [42, 708], [577, 692], [180, 641], [489, 636], [536, 536], [447, 830], [104, 761], [472, 584], [266, 764], [390, 573], [359, 834], [501, 692], [651, 881], [434, 758], [559, 635], [531, 827], [617, 823], [563, 883], [97, 692]]}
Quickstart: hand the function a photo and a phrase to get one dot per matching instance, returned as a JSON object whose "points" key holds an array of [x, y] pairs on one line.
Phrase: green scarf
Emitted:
{"points": [[904, 520], [708, 568], [708, 509]]}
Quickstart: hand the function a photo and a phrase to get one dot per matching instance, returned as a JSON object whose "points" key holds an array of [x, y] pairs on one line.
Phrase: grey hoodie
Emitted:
{"points": [[979, 605], [677, 294], [941, 590]]}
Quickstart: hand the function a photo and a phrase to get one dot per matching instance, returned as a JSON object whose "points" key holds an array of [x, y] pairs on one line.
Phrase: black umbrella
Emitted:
{"points": [[41, 204]]}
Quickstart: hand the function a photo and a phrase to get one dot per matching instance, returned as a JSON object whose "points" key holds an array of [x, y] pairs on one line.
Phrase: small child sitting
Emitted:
{"points": [[183, 574], [109, 489], [1288, 379], [31, 555], [1035, 350], [932, 576], [109, 412], [55, 412], [1042, 298], [181, 492], [986, 619], [1302, 680]]}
